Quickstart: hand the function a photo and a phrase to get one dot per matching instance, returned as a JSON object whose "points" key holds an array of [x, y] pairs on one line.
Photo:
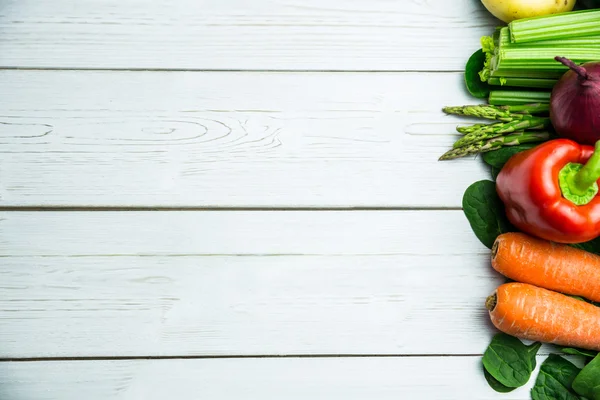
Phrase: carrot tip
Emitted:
{"points": [[491, 301]]}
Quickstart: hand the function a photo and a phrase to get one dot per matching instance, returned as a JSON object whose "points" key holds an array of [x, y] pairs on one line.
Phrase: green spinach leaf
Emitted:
{"points": [[579, 352], [485, 212], [495, 172], [473, 82], [554, 382], [510, 361], [587, 383], [497, 158], [593, 246], [494, 384]]}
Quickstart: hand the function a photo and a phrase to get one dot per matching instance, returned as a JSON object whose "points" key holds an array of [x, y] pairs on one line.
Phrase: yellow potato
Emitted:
{"points": [[509, 10]]}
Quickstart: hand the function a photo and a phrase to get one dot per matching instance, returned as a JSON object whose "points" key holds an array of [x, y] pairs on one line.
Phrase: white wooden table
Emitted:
{"points": [[229, 199]]}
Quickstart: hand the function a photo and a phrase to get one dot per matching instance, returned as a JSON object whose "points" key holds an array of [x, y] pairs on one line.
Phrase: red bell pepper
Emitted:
{"points": [[551, 191]]}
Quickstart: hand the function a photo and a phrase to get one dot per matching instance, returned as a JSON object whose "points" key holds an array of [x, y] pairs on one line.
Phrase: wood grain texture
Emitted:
{"points": [[241, 283], [231, 139], [368, 35], [440, 378]]}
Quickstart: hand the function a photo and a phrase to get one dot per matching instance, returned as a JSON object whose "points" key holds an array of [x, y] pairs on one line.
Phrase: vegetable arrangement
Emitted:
{"points": [[540, 213]]}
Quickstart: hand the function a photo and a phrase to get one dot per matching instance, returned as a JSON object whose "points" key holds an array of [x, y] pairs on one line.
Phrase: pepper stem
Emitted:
{"points": [[590, 172], [579, 182]]}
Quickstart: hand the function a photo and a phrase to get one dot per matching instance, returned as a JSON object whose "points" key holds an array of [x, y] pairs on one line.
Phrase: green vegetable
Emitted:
{"points": [[488, 47], [510, 361], [555, 26], [507, 113], [485, 212], [496, 143], [494, 130], [475, 85], [518, 97], [495, 171], [494, 384], [555, 379], [534, 83], [472, 128], [593, 246], [532, 64], [580, 352], [499, 157], [587, 383]]}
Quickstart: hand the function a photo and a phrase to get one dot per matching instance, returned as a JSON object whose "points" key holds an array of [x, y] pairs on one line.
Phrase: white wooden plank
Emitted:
{"points": [[127, 306], [71, 234], [237, 34], [230, 139], [420, 274], [440, 378]]}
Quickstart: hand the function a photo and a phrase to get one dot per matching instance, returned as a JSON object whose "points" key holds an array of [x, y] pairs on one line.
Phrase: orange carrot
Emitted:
{"points": [[549, 265], [530, 312]]}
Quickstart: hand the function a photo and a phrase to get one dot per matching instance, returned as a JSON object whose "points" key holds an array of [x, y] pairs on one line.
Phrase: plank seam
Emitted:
{"points": [[226, 357], [215, 208], [316, 71]]}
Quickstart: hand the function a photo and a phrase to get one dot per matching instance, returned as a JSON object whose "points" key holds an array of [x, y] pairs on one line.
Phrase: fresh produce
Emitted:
{"points": [[522, 53], [580, 352], [587, 382], [502, 113], [575, 103], [540, 213], [476, 86], [533, 313], [509, 361], [550, 191], [485, 212], [549, 265], [497, 159], [517, 127], [518, 97], [509, 10], [555, 380], [483, 132], [558, 26], [495, 141]]}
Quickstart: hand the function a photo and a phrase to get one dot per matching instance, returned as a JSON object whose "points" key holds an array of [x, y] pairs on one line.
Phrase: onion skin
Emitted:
{"points": [[575, 103]]}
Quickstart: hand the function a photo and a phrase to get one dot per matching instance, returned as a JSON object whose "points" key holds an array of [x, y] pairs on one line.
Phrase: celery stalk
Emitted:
{"points": [[573, 42], [555, 26], [537, 83], [517, 97], [526, 55], [523, 61]]}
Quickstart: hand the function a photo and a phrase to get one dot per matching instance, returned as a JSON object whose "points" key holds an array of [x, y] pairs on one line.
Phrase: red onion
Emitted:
{"points": [[575, 102]]}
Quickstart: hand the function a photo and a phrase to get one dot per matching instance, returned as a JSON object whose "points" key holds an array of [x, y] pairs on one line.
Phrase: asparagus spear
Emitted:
{"points": [[501, 113], [474, 128], [499, 129], [483, 146]]}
